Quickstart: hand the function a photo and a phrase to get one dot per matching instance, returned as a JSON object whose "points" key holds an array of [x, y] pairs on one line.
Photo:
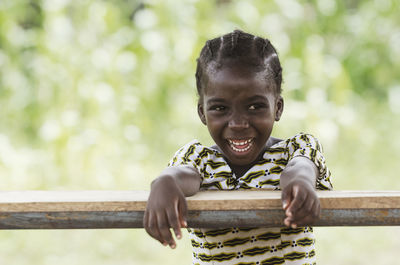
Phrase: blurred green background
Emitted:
{"points": [[100, 94]]}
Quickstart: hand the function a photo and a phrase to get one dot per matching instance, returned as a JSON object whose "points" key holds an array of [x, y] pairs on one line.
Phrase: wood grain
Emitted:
{"points": [[124, 209], [59, 201]]}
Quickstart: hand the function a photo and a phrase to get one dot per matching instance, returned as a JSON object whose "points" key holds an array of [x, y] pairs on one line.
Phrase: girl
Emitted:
{"points": [[238, 81]]}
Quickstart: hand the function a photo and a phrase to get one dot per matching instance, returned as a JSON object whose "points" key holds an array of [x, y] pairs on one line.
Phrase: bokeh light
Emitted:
{"points": [[100, 94]]}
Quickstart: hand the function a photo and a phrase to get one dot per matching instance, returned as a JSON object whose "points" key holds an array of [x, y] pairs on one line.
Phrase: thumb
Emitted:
{"points": [[182, 206], [286, 197]]}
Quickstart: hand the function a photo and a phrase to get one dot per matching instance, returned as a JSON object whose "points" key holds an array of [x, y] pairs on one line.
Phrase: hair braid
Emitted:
{"points": [[271, 60], [234, 39], [251, 51], [218, 45], [266, 42], [209, 48]]}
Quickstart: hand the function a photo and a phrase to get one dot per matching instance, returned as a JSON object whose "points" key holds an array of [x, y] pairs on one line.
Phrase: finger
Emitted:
{"points": [[152, 228], [286, 197], [146, 219], [310, 205], [308, 208], [309, 217], [287, 221], [173, 220], [313, 208], [297, 201], [182, 208], [306, 220], [316, 210], [164, 229]]}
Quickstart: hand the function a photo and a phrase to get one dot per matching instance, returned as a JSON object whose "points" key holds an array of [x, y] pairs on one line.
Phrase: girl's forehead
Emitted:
{"points": [[232, 67], [237, 79]]}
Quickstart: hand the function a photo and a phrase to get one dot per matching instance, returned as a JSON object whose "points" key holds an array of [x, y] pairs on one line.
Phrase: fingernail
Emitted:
{"points": [[173, 246], [165, 244], [184, 224], [284, 205], [179, 236], [294, 226]]}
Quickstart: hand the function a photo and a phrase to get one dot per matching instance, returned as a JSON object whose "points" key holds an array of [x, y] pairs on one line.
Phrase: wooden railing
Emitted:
{"points": [[211, 209]]}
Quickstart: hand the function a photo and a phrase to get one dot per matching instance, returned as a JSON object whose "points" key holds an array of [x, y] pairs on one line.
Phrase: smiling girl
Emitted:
{"points": [[238, 81]]}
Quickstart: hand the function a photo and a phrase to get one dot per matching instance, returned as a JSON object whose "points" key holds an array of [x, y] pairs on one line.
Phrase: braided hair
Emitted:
{"points": [[249, 50]]}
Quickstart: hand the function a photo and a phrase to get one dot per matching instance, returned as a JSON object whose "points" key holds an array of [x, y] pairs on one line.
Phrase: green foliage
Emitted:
{"points": [[99, 94]]}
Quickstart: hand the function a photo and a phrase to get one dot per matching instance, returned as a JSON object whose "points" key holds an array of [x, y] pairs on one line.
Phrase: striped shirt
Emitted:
{"points": [[253, 246]]}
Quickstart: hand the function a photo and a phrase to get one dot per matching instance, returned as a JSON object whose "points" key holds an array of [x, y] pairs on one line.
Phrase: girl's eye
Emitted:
{"points": [[218, 108], [256, 106]]}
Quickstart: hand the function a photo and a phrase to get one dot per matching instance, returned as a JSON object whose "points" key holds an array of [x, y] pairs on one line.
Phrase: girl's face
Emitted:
{"points": [[239, 109]]}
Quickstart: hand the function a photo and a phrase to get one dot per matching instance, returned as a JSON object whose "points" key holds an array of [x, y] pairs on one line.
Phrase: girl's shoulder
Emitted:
{"points": [[300, 138], [195, 149], [198, 155], [287, 148], [196, 145], [304, 140]]}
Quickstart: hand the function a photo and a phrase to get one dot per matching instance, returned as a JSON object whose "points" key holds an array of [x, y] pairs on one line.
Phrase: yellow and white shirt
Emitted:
{"points": [[253, 246]]}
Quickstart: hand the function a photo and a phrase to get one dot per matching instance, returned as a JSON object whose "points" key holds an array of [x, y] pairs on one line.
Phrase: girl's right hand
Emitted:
{"points": [[166, 208]]}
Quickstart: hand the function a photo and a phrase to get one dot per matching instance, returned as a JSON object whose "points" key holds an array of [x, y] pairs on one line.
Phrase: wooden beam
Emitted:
{"points": [[208, 209]]}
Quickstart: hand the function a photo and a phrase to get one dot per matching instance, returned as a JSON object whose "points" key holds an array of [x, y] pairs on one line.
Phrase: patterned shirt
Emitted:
{"points": [[253, 246]]}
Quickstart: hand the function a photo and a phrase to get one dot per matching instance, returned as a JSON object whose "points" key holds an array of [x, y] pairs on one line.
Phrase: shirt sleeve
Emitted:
{"points": [[188, 155], [308, 146]]}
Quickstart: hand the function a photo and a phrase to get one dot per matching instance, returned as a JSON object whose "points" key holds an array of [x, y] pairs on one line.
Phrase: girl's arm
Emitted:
{"points": [[166, 207], [299, 198]]}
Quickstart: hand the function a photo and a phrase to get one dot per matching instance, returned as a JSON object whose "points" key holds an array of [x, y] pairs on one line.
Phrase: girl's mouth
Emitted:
{"points": [[240, 145]]}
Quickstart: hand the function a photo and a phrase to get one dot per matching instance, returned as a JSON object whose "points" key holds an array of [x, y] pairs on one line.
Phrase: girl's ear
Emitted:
{"points": [[278, 108], [200, 111]]}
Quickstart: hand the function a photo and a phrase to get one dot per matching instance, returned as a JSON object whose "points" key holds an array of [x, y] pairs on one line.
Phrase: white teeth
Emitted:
{"points": [[233, 145], [241, 150], [239, 143]]}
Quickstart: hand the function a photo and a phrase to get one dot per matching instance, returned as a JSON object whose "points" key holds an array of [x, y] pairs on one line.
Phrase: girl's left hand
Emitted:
{"points": [[301, 203]]}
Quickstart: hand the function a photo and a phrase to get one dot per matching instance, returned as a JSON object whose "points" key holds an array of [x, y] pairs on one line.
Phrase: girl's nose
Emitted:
{"points": [[238, 122]]}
